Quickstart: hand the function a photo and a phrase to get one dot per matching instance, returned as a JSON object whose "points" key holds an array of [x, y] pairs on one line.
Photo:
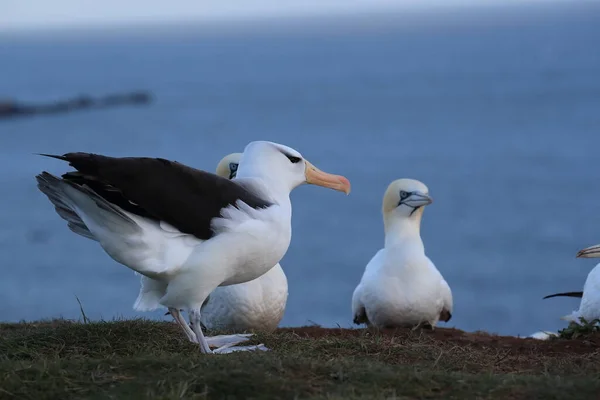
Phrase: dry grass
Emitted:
{"points": [[148, 359]]}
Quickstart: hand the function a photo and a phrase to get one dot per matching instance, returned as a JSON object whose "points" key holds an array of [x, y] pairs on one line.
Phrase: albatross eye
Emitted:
{"points": [[293, 160]]}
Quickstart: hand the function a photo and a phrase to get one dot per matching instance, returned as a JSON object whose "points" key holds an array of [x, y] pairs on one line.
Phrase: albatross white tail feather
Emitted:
{"points": [[136, 242], [573, 317], [151, 291]]}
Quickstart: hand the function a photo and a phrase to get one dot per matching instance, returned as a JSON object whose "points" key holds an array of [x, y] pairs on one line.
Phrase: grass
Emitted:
{"points": [[582, 329], [140, 359]]}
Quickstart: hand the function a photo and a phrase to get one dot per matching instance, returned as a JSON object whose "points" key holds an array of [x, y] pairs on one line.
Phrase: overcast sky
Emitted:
{"points": [[27, 14]]}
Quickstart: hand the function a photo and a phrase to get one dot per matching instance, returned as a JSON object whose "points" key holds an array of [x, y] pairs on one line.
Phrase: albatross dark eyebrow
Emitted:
{"points": [[293, 159]]}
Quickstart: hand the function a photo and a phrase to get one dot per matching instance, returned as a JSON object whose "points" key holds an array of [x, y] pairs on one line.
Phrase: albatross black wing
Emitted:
{"points": [[163, 190], [566, 294]]}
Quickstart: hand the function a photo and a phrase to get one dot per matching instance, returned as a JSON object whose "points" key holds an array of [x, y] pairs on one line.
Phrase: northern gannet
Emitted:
{"points": [[191, 229], [401, 287], [589, 308]]}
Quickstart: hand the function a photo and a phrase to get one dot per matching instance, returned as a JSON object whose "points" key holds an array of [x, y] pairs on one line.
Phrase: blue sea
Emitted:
{"points": [[497, 111]]}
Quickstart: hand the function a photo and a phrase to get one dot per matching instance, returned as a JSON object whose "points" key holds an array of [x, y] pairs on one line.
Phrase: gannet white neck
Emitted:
{"points": [[402, 213]]}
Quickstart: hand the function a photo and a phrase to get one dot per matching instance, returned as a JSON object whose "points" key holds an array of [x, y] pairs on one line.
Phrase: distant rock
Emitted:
{"points": [[10, 108]]}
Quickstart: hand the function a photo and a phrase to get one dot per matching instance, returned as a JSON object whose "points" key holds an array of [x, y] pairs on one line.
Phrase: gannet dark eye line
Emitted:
{"points": [[233, 167], [403, 196]]}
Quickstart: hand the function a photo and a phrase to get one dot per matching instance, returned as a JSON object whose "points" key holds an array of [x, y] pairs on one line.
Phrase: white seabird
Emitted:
{"points": [[257, 305], [401, 287], [191, 229], [589, 307]]}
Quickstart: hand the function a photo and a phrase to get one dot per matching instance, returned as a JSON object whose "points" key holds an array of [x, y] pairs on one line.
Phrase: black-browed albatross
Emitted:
{"points": [[187, 227]]}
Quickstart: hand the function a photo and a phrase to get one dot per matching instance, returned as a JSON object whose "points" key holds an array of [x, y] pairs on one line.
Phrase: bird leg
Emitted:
{"points": [[183, 324], [195, 321]]}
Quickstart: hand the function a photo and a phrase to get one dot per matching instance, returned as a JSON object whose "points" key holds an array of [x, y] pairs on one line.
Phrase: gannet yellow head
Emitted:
{"points": [[228, 166], [403, 203], [406, 197]]}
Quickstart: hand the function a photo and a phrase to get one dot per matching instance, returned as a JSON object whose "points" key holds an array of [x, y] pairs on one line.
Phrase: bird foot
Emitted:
{"points": [[229, 348], [227, 340]]}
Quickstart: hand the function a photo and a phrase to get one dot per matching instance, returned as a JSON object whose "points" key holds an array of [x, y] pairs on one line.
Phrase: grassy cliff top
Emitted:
{"points": [[148, 359]]}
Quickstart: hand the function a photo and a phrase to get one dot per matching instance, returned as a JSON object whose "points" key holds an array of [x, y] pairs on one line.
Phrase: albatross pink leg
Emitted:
{"points": [[195, 320], [183, 324]]}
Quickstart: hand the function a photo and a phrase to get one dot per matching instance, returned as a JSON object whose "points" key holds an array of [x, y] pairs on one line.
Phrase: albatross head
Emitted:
{"points": [[404, 200], [285, 168], [228, 166]]}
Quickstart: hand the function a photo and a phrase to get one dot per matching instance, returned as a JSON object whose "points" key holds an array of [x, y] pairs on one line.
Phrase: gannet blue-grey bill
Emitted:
{"points": [[414, 199], [589, 252]]}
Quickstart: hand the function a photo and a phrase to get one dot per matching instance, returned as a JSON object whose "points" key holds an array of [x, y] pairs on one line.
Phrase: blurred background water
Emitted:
{"points": [[497, 110]]}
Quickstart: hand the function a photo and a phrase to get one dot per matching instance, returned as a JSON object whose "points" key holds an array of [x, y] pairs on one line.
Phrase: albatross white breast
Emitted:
{"points": [[189, 229], [589, 307], [401, 287]]}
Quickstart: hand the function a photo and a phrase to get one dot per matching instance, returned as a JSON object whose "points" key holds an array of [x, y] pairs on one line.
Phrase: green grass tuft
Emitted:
{"points": [[578, 330]]}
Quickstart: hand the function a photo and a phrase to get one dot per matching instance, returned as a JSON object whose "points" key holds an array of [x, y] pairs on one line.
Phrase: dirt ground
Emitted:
{"points": [[589, 344]]}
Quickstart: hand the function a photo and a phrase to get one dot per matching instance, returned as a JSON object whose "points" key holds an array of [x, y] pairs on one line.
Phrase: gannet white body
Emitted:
{"points": [[257, 305], [401, 287], [589, 307], [187, 228]]}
